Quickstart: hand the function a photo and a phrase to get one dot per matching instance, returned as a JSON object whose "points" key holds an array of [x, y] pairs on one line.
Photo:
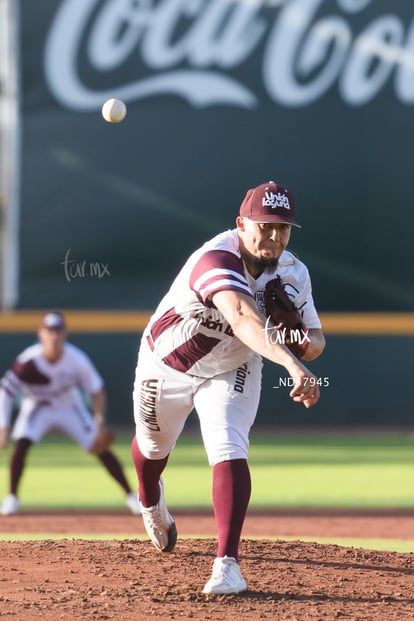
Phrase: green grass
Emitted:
{"points": [[307, 472], [287, 471], [337, 471]]}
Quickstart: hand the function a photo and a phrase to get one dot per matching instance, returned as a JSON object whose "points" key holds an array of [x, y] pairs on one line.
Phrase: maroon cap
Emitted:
{"points": [[269, 202], [53, 321]]}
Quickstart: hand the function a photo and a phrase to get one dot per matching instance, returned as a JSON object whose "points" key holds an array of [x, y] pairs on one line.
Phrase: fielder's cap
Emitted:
{"points": [[269, 202], [53, 320]]}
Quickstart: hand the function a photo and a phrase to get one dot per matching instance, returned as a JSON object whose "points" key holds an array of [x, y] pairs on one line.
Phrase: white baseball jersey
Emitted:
{"points": [[45, 385], [189, 334]]}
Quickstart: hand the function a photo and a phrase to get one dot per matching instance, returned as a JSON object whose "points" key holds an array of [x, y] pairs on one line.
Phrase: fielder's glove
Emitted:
{"points": [[284, 314], [102, 441]]}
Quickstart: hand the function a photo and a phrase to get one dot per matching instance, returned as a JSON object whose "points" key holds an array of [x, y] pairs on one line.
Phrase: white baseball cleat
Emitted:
{"points": [[10, 505], [132, 503], [159, 524], [226, 577]]}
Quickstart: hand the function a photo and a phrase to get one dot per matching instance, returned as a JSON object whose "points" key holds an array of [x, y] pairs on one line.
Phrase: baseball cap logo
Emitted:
{"points": [[270, 199]]}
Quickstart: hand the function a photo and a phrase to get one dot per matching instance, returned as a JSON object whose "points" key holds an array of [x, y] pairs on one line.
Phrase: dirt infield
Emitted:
{"points": [[127, 579]]}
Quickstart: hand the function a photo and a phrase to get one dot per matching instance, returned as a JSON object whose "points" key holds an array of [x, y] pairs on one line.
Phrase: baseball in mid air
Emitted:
{"points": [[114, 110]]}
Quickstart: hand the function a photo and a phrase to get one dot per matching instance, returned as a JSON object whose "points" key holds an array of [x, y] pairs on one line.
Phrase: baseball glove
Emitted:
{"points": [[102, 441], [285, 316]]}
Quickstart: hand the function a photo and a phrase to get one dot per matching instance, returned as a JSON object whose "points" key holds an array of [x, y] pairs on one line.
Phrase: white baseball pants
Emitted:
{"points": [[75, 421], [226, 406]]}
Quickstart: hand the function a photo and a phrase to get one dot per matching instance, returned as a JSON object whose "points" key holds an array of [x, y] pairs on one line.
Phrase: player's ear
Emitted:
{"points": [[240, 223]]}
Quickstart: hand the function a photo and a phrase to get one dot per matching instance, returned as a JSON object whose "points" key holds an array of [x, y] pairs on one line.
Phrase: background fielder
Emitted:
{"points": [[202, 348], [47, 376]]}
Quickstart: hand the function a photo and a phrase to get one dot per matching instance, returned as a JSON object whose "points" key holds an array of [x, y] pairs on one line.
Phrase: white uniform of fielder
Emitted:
{"points": [[54, 381], [51, 396]]}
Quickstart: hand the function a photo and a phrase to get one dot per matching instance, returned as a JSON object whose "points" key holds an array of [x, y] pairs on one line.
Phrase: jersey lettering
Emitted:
{"points": [[148, 404], [241, 375]]}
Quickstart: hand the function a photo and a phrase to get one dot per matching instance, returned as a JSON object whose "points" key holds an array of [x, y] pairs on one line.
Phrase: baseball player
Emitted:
{"points": [[203, 349], [49, 377]]}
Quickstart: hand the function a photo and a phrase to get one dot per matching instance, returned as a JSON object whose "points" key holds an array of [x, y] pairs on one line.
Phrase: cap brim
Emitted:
{"points": [[274, 219], [52, 327]]}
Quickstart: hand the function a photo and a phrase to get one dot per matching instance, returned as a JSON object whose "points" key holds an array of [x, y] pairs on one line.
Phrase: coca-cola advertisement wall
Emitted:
{"points": [[221, 95]]}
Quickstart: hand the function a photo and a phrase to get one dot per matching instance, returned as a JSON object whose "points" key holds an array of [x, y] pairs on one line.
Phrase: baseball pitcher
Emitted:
{"points": [[240, 297]]}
